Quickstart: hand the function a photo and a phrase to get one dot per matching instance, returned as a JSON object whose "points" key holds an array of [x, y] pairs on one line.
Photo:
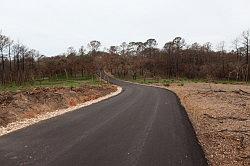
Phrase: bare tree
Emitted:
{"points": [[151, 43], [236, 47], [71, 51], [113, 50], [4, 41], [246, 36], [222, 51], [178, 43], [94, 46], [9, 52], [82, 51], [123, 47]]}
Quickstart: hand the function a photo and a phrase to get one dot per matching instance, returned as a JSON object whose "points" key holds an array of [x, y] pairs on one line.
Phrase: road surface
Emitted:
{"points": [[143, 126]]}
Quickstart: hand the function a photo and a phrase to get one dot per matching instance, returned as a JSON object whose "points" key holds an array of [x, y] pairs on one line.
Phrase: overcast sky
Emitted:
{"points": [[51, 26]]}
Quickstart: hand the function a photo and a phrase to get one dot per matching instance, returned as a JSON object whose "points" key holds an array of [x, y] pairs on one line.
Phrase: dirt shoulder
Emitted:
{"points": [[20, 109], [221, 117]]}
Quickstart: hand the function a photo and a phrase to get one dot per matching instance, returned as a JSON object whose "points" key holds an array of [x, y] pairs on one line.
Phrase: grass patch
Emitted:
{"points": [[52, 83], [182, 81], [166, 82]]}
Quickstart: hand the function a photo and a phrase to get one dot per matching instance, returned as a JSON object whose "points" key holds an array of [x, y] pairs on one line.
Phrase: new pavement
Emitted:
{"points": [[143, 126]]}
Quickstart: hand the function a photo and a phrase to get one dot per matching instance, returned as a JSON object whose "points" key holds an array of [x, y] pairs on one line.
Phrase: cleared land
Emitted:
{"points": [[220, 114]]}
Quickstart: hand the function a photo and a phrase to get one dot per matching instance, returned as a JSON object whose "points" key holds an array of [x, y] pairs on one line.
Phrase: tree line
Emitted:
{"points": [[17, 61], [176, 59], [20, 64]]}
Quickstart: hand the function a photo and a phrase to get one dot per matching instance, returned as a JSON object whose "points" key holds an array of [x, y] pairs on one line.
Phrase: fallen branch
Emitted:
{"points": [[219, 90], [211, 91], [225, 118], [240, 91], [234, 131], [204, 92]]}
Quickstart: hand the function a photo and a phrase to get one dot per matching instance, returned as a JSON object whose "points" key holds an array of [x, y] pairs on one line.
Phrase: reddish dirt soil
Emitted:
{"points": [[29, 104]]}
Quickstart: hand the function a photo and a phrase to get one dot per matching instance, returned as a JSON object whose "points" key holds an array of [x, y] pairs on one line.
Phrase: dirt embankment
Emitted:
{"points": [[221, 117], [24, 105]]}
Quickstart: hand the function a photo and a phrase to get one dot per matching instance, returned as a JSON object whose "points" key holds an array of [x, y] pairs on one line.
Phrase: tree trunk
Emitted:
{"points": [[3, 68]]}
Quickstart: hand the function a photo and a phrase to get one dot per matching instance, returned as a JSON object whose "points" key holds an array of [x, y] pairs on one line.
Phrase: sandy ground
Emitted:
{"points": [[220, 114], [19, 110]]}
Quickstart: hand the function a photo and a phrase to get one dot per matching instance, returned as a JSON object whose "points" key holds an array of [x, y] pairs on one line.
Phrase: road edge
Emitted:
{"points": [[28, 122], [183, 108]]}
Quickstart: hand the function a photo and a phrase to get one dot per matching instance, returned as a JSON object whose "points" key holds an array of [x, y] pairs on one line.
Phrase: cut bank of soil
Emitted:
{"points": [[221, 117], [29, 104]]}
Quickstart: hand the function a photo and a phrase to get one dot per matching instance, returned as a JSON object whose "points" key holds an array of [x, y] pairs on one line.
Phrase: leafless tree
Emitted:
{"points": [[246, 37], [4, 42], [94, 46]]}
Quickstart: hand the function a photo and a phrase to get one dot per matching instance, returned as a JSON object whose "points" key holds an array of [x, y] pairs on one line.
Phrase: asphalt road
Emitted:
{"points": [[143, 126]]}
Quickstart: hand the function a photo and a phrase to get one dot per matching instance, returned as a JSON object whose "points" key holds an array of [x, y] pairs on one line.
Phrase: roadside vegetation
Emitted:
{"points": [[52, 83], [181, 81]]}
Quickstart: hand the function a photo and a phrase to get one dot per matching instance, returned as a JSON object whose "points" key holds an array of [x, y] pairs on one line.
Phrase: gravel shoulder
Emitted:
{"points": [[22, 109]]}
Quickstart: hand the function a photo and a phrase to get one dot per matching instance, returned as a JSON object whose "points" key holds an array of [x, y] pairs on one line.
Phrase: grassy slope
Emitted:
{"points": [[59, 82]]}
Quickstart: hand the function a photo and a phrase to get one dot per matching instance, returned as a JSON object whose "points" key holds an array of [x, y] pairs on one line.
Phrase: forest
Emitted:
{"points": [[177, 59]]}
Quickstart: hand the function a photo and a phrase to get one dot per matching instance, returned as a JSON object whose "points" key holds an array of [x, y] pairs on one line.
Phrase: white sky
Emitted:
{"points": [[51, 26]]}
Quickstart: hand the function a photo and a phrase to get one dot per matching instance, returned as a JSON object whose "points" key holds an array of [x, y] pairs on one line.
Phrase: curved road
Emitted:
{"points": [[143, 126]]}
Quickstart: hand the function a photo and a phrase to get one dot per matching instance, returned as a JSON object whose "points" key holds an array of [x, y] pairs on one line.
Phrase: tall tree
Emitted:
{"points": [[246, 36], [4, 41], [94, 46]]}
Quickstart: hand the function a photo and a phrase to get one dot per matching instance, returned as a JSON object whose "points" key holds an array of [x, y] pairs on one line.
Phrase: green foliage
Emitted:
{"points": [[52, 83]]}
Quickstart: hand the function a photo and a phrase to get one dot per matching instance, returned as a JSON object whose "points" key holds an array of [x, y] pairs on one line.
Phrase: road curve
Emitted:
{"points": [[143, 126]]}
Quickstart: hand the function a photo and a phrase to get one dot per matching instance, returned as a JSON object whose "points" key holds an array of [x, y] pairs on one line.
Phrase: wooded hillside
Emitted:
{"points": [[20, 64]]}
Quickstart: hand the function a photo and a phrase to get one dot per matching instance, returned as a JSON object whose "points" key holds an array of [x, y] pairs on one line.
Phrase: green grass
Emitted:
{"points": [[181, 81], [153, 81], [52, 83]]}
